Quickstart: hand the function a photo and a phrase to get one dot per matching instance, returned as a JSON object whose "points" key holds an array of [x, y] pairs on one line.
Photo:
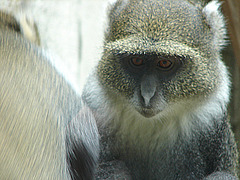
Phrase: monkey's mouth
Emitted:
{"points": [[147, 112]]}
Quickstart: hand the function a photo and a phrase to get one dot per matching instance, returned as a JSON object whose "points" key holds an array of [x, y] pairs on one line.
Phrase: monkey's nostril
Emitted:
{"points": [[148, 89], [146, 99]]}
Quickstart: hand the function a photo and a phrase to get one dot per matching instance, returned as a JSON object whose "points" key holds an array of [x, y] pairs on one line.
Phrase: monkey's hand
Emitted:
{"points": [[112, 170]]}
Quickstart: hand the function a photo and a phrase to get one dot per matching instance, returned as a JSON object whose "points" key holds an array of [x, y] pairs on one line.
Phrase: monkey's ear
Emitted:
{"points": [[29, 29], [215, 21], [20, 24]]}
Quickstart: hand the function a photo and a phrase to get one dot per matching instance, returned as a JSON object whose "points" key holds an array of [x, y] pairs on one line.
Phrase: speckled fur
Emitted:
{"points": [[189, 136]]}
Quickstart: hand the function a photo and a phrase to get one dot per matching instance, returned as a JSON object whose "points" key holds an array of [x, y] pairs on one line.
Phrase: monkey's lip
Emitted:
{"points": [[148, 113]]}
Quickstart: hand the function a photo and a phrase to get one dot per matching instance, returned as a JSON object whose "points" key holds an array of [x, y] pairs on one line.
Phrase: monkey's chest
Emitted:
{"points": [[161, 162], [152, 151]]}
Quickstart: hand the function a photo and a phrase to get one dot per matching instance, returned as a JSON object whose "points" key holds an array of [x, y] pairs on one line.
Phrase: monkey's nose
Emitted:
{"points": [[148, 89]]}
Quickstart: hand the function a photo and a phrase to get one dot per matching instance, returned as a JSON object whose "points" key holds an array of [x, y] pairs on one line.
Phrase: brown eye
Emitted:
{"points": [[136, 61], [165, 64]]}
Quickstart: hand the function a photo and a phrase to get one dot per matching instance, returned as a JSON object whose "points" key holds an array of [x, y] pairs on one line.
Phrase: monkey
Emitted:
{"points": [[46, 131], [82, 145], [160, 93]]}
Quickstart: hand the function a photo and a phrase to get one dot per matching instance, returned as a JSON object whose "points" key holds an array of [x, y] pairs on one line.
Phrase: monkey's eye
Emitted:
{"points": [[136, 61], [165, 64]]}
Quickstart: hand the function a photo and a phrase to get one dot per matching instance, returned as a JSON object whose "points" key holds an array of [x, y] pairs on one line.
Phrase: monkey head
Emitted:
{"points": [[163, 55]]}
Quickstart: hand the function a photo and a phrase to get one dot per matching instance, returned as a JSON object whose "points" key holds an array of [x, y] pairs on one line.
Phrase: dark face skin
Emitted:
{"points": [[151, 81], [161, 66], [149, 72]]}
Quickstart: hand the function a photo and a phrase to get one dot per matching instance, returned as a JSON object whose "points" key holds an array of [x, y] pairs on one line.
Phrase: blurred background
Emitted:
{"points": [[72, 31]]}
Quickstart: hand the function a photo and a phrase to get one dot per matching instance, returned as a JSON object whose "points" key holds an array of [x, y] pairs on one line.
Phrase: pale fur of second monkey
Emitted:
{"points": [[36, 106]]}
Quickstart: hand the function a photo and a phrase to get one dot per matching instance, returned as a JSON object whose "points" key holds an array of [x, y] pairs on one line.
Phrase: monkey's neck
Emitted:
{"points": [[131, 130], [135, 133]]}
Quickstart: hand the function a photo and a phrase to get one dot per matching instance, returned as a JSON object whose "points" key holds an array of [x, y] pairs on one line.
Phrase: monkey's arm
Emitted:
{"points": [[220, 152]]}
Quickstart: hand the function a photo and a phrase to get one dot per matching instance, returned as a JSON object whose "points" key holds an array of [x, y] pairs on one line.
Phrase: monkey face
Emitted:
{"points": [[155, 78], [149, 73], [156, 56]]}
